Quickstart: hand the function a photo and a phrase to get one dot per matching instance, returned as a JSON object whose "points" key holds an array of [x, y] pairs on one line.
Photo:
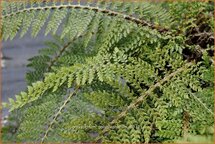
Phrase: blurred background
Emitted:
{"points": [[15, 56]]}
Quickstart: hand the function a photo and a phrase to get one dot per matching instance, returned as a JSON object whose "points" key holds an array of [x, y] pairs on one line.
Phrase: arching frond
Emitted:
{"points": [[114, 71]]}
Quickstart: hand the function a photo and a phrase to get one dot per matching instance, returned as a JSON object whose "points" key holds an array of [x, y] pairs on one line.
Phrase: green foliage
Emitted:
{"points": [[117, 72], [197, 139]]}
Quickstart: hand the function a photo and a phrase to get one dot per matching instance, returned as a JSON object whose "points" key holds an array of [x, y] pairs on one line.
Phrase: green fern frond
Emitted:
{"points": [[118, 72], [41, 13]]}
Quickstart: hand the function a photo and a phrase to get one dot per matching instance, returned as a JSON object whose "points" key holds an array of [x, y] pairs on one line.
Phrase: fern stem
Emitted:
{"points": [[59, 54], [196, 98], [62, 51], [58, 113], [96, 9], [185, 127], [142, 97]]}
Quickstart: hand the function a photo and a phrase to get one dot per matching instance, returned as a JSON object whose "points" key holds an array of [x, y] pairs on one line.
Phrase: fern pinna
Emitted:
{"points": [[114, 71]]}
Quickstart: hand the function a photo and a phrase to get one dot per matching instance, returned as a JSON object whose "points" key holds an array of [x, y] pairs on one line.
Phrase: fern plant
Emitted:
{"points": [[114, 72]]}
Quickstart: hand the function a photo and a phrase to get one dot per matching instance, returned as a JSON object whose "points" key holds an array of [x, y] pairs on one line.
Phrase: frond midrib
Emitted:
{"points": [[58, 113], [136, 102], [96, 9]]}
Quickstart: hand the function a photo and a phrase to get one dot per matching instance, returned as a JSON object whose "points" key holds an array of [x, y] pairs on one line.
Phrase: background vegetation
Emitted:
{"points": [[114, 72]]}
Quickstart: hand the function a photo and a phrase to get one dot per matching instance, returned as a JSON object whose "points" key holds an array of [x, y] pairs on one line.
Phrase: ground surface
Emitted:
{"points": [[13, 75]]}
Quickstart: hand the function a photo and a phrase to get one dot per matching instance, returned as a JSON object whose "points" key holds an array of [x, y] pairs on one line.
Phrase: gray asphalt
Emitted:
{"points": [[13, 75]]}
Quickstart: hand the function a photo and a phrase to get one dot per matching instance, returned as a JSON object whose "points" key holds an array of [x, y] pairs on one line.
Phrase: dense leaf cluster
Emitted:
{"points": [[114, 72]]}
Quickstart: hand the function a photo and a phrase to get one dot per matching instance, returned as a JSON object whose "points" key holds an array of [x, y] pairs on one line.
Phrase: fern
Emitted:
{"points": [[113, 72]]}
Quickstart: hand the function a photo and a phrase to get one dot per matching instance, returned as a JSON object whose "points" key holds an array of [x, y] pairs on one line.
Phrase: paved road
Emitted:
{"points": [[13, 75]]}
